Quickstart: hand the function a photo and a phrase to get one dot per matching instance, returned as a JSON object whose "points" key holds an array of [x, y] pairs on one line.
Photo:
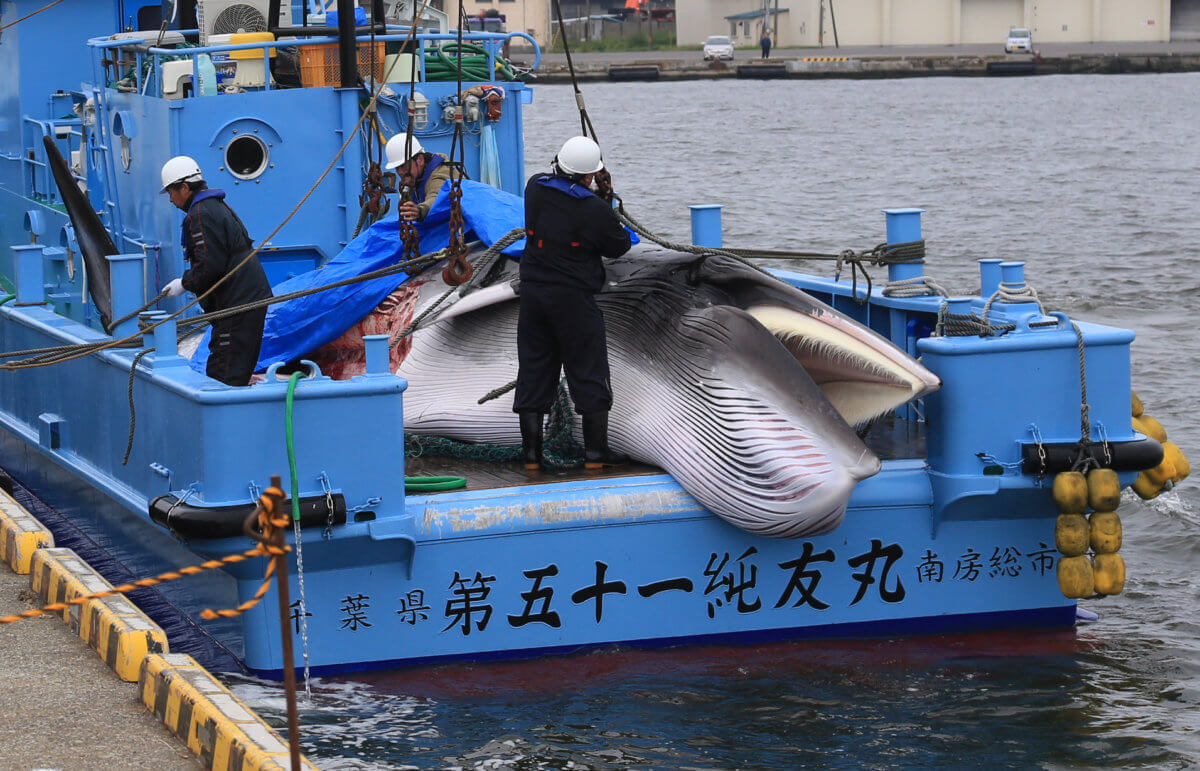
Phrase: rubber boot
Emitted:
{"points": [[531, 440], [596, 454]]}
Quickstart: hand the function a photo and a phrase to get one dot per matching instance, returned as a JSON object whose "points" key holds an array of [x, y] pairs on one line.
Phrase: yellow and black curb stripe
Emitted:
{"points": [[202, 712], [214, 724], [826, 59], [20, 535], [113, 626]]}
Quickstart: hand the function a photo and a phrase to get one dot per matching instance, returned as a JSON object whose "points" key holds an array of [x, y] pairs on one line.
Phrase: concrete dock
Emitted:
{"points": [[876, 62], [61, 707], [91, 683]]}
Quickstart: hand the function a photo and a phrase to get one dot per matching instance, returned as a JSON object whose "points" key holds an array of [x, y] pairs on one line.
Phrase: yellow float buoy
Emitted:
{"points": [[1072, 534], [1105, 530], [1172, 453], [1136, 403], [1150, 427], [1104, 489], [1145, 488], [1108, 574], [1162, 473], [1075, 577], [1070, 492]]}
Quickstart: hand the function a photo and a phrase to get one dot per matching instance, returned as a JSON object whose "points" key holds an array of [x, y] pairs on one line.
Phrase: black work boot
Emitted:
{"points": [[531, 439], [596, 454]]}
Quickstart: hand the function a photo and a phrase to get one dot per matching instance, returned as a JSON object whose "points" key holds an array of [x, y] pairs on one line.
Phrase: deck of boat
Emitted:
{"points": [[889, 437]]}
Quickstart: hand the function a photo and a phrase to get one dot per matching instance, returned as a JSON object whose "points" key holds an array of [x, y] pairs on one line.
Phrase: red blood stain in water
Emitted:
{"points": [[551, 674]]}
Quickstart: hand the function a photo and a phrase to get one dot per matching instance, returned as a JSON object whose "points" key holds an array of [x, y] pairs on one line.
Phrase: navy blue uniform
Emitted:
{"points": [[560, 327], [214, 242]]}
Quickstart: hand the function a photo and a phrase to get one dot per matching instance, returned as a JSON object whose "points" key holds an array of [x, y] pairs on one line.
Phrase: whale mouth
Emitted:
{"points": [[861, 374]]}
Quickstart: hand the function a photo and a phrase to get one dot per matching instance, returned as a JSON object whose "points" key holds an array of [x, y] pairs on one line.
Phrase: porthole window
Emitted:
{"points": [[246, 156]]}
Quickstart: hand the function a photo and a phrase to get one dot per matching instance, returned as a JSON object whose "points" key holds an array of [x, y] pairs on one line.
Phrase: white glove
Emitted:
{"points": [[175, 288]]}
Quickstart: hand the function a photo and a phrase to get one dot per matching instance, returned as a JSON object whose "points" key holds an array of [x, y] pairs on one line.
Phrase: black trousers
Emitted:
{"points": [[233, 349], [561, 328]]}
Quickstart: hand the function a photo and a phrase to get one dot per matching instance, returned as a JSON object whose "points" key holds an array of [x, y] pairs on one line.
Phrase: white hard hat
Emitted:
{"points": [[395, 150], [181, 168], [579, 155]]}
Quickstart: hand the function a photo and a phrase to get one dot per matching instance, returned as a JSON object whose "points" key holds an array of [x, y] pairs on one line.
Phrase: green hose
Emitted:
{"points": [[411, 484], [433, 484], [291, 444], [7, 298], [441, 63]]}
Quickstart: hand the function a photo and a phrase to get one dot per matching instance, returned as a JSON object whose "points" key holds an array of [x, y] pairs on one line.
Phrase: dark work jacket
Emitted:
{"points": [[568, 229], [214, 241]]}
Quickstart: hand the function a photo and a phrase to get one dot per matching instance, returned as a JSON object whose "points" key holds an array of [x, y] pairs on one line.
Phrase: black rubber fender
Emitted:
{"points": [[204, 522], [1135, 455]]}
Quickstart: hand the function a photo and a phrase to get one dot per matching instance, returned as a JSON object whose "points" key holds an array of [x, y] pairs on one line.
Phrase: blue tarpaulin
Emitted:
{"points": [[298, 326]]}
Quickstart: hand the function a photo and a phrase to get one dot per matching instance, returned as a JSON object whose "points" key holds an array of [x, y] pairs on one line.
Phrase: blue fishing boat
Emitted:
{"points": [[801, 473]]}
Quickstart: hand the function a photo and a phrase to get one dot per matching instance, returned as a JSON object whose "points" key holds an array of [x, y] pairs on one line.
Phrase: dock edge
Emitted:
{"points": [[205, 715]]}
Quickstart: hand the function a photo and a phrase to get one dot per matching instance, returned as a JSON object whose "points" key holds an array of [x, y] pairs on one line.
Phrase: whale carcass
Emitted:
{"points": [[742, 387]]}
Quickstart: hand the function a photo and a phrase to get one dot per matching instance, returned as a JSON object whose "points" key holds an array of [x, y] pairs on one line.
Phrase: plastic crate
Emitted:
{"points": [[319, 64]]}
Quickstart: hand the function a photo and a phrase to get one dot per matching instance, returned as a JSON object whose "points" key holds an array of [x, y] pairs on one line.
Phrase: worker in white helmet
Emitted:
{"points": [[215, 243], [568, 230], [424, 173]]}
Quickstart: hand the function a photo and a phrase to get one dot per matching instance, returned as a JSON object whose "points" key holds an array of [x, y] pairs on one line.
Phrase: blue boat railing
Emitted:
{"points": [[492, 42]]}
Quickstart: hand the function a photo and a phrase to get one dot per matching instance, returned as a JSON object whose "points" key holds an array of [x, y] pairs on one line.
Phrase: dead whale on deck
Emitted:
{"points": [[740, 386]]}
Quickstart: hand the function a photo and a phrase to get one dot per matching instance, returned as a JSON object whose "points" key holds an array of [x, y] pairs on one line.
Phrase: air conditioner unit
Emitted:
{"points": [[228, 17]]}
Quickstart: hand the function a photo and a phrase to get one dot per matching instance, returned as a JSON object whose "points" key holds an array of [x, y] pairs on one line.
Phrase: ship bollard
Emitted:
{"points": [[706, 225], [1012, 274], [378, 354], [145, 319], [1012, 278], [903, 226], [165, 337], [30, 268], [989, 276], [127, 287]]}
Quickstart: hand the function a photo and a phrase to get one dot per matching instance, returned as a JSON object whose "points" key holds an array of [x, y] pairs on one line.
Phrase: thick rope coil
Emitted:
{"points": [[918, 286], [957, 325], [1013, 293]]}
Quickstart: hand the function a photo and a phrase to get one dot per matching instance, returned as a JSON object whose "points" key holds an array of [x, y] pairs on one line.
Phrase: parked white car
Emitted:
{"points": [[1020, 40], [718, 47]]}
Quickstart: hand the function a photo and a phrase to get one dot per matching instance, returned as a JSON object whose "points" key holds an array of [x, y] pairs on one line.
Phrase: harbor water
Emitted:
{"points": [[1090, 179]]}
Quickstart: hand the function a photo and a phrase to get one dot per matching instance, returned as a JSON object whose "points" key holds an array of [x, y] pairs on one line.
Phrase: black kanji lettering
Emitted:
{"points": [[538, 593], [803, 579], [889, 554]]}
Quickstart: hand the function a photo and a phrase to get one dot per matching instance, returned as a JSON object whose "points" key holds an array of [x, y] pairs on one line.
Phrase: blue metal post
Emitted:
{"points": [[959, 306], [31, 273], [351, 160], [903, 226], [989, 277], [166, 352], [1012, 273], [706, 225], [125, 279], [378, 358]]}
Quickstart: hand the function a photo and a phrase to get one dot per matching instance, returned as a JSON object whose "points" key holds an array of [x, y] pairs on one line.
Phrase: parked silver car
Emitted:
{"points": [[1020, 40], [718, 47]]}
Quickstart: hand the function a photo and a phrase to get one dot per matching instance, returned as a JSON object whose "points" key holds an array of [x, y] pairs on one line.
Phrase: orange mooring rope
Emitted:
{"points": [[267, 522]]}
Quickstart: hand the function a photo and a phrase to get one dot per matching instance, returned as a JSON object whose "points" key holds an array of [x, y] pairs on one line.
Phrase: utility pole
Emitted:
{"points": [[833, 19], [821, 25], [775, 27]]}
